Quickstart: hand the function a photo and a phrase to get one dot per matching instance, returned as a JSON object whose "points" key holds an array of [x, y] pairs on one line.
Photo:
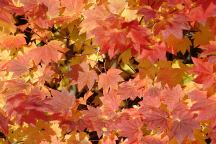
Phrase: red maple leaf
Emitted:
{"points": [[205, 106], [111, 102], [5, 15], [155, 118], [53, 7], [18, 66], [12, 42], [205, 72], [172, 24], [72, 7], [138, 35], [93, 119], [209, 49], [61, 102], [148, 13], [74, 72], [27, 108], [183, 123], [201, 15], [93, 19], [158, 52], [110, 80], [86, 78], [14, 86], [47, 53], [111, 40], [128, 90], [171, 97], [130, 128]]}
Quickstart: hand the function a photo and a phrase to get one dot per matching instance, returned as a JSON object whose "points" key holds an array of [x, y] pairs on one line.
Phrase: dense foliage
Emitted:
{"points": [[107, 71]]}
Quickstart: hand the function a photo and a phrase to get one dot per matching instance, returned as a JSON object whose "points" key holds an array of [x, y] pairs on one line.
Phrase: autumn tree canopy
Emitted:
{"points": [[107, 71]]}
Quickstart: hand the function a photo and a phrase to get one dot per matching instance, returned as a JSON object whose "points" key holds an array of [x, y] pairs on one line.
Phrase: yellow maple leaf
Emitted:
{"points": [[203, 36], [178, 44], [146, 68], [129, 14], [78, 138], [117, 6], [35, 134], [125, 56]]}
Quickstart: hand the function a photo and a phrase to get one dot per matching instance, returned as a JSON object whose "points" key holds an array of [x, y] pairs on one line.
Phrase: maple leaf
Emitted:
{"points": [[157, 53], [110, 80], [72, 7], [147, 68], [175, 76], [130, 128], [125, 56], [93, 19], [183, 124], [172, 24], [80, 137], [155, 118], [117, 7], [47, 53], [38, 11], [111, 102], [177, 45], [53, 7], [12, 42], [202, 67], [6, 20], [171, 97], [129, 14], [6, 16], [202, 104], [139, 35], [61, 102], [27, 108], [18, 66], [201, 15], [111, 40], [14, 86], [203, 36], [151, 98], [148, 13], [93, 119], [82, 76], [38, 133], [128, 90], [86, 78], [74, 73], [141, 85], [205, 72], [209, 49]]}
